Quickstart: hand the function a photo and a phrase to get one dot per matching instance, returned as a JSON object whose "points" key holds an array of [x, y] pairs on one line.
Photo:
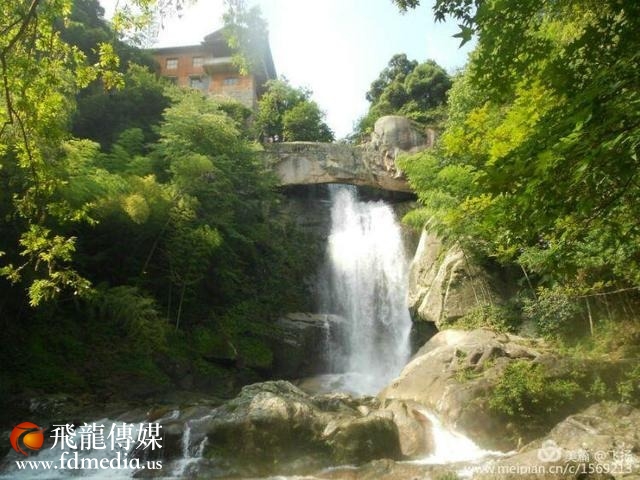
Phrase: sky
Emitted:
{"points": [[334, 47]]}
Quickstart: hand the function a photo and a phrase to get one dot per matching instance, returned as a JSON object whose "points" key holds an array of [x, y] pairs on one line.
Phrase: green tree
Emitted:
{"points": [[404, 87], [246, 33], [426, 87], [41, 75], [395, 72], [305, 122], [171, 222], [546, 122], [103, 115], [290, 114]]}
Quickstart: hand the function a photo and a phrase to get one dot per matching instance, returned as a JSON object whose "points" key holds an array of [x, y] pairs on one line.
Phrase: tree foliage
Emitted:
{"points": [[305, 121], [290, 114], [538, 162], [405, 87], [126, 207], [41, 76], [246, 33], [395, 72]]}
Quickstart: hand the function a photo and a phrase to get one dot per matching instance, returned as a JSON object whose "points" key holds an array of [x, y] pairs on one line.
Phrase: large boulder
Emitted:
{"points": [[393, 136], [275, 428], [397, 133], [445, 284], [600, 442], [414, 429], [357, 440], [453, 375]]}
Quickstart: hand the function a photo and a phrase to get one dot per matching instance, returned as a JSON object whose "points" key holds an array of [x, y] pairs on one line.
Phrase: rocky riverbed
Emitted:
{"points": [[276, 429]]}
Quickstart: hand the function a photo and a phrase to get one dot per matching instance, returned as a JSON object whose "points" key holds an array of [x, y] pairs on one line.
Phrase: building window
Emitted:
{"points": [[173, 80], [172, 64], [198, 83], [230, 81], [198, 61]]}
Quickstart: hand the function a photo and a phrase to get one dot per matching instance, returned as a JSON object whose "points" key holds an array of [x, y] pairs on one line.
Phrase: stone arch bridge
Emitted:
{"points": [[372, 164], [309, 163]]}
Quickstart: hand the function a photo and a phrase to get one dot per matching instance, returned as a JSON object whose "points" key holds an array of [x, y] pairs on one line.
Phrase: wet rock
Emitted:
{"points": [[345, 403], [300, 343], [50, 406], [269, 427], [414, 429], [358, 440]]}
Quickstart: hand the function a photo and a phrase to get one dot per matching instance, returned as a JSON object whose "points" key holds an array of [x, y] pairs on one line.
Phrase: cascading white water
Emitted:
{"points": [[451, 446], [367, 284], [191, 451]]}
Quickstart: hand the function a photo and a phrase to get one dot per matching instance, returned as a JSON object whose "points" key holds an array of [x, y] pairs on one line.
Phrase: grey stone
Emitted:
{"points": [[359, 440], [436, 378], [444, 284], [372, 164], [589, 442], [270, 426], [394, 131], [300, 341]]}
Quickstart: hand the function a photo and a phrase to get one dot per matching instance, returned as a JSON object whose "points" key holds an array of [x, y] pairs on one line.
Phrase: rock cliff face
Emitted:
{"points": [[301, 341], [445, 284]]}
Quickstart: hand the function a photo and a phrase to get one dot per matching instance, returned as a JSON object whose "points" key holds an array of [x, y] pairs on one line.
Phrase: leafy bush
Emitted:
{"points": [[527, 393], [629, 387], [500, 318], [289, 113], [125, 307], [598, 389], [552, 312]]}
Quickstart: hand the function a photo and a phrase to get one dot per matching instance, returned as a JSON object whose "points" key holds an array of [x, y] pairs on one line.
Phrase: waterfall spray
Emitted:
{"points": [[366, 278]]}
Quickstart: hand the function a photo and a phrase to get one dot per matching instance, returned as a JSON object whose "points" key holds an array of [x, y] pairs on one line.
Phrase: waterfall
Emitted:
{"points": [[366, 283]]}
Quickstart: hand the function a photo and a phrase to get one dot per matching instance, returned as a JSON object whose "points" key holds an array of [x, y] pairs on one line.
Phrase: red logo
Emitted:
{"points": [[26, 436]]}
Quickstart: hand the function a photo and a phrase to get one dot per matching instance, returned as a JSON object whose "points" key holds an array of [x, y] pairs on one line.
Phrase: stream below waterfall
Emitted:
{"points": [[364, 281]]}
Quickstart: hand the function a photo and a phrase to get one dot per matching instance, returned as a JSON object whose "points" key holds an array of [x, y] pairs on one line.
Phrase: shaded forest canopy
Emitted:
{"points": [[141, 238], [536, 169]]}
